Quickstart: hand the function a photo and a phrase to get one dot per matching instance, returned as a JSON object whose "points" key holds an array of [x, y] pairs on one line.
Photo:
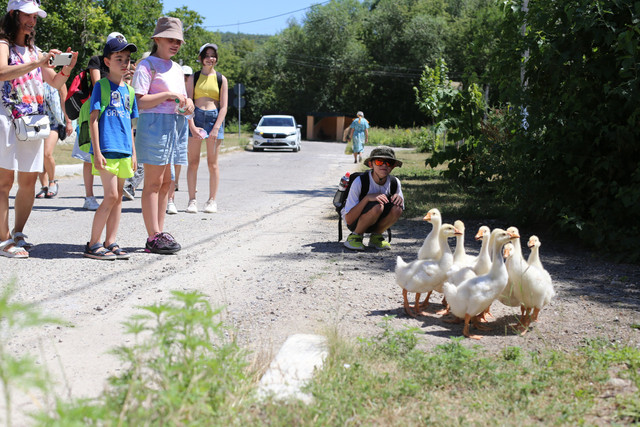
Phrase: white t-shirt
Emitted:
{"points": [[374, 188], [156, 75]]}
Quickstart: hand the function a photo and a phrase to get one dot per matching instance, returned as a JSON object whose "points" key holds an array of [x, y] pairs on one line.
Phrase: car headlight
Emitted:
{"points": [[291, 133], [257, 133]]}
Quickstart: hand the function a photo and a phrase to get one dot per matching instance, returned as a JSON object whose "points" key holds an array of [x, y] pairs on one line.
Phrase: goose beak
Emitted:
{"points": [[513, 235], [479, 235], [457, 232], [427, 217]]}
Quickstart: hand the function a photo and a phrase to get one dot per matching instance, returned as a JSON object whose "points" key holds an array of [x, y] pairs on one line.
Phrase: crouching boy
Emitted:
{"points": [[113, 105], [379, 207]]}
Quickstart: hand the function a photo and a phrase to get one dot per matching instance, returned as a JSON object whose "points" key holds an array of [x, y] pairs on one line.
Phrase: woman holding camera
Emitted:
{"points": [[23, 68]]}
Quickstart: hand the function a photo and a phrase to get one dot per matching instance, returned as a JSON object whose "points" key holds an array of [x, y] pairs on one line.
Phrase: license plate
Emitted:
{"points": [[276, 140]]}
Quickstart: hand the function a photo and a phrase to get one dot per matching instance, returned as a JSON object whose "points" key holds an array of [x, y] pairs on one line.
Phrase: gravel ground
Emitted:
{"points": [[271, 257]]}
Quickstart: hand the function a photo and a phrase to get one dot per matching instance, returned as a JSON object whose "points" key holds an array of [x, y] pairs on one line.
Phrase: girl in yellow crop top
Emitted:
{"points": [[207, 124]]}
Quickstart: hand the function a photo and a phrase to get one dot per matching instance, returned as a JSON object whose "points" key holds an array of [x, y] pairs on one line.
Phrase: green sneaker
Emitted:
{"points": [[354, 242], [377, 241]]}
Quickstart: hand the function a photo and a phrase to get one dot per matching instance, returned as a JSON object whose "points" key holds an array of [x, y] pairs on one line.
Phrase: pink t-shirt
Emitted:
{"points": [[155, 75]]}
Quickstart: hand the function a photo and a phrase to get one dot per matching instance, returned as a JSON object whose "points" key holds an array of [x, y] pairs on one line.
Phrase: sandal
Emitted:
{"points": [[52, 193], [98, 251], [14, 251], [42, 193], [19, 239], [115, 248]]}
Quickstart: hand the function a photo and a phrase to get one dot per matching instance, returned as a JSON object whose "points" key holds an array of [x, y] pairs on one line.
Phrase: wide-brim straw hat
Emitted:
{"points": [[168, 27], [382, 153]]}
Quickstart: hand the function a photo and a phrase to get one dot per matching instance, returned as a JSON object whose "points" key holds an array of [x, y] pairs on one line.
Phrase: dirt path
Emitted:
{"points": [[271, 257]]}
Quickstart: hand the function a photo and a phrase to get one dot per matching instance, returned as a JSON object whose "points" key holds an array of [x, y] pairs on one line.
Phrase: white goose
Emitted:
{"points": [[460, 256], [422, 276], [532, 286], [430, 249], [473, 296], [541, 291], [457, 274]]}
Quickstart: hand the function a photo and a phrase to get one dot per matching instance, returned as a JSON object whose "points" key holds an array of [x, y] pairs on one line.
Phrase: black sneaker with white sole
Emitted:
{"points": [[162, 243]]}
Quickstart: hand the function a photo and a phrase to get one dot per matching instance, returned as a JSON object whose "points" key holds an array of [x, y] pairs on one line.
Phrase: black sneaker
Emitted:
{"points": [[162, 243]]}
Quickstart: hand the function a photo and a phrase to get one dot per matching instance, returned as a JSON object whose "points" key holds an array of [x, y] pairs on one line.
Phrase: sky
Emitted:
{"points": [[246, 16]]}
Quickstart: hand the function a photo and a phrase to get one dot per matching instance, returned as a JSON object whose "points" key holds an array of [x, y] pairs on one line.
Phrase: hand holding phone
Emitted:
{"points": [[61, 59]]}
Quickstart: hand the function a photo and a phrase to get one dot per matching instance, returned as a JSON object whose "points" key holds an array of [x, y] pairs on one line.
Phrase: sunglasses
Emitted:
{"points": [[380, 162]]}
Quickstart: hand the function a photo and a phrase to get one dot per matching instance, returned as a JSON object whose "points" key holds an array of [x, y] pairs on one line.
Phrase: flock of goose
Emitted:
{"points": [[471, 284]]}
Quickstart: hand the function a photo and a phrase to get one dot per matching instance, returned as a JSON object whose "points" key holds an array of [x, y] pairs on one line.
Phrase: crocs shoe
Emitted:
{"points": [[377, 241], [354, 242]]}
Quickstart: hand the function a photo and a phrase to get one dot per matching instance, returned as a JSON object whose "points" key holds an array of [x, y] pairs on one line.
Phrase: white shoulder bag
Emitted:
{"points": [[32, 128]]}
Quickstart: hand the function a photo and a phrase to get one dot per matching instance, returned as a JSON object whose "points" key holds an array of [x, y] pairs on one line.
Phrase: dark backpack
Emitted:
{"points": [[196, 76], [78, 93], [340, 198]]}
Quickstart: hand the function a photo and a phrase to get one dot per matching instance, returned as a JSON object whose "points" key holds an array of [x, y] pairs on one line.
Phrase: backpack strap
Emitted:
{"points": [[105, 95], [196, 76], [364, 189]]}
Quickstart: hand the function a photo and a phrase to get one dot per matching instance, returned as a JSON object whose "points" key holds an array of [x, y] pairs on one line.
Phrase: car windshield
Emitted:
{"points": [[277, 121]]}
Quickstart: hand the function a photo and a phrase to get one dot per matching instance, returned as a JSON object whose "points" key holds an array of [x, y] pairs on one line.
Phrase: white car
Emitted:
{"points": [[278, 133]]}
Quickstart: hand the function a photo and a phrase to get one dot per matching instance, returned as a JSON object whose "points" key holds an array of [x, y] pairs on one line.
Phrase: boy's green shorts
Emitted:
{"points": [[122, 168]]}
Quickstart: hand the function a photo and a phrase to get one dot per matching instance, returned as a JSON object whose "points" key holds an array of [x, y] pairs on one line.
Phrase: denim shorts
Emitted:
{"points": [[206, 119], [161, 139]]}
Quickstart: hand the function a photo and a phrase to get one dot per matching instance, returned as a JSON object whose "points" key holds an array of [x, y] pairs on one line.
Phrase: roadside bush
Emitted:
{"points": [[421, 138]]}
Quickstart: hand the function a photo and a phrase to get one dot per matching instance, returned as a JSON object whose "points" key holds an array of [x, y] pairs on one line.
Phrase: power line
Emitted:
{"points": [[264, 19]]}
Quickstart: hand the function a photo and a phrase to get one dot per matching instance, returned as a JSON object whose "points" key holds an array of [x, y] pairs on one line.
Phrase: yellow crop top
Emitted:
{"points": [[206, 86]]}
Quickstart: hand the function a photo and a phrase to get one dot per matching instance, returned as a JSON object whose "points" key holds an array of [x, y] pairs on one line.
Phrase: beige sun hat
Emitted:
{"points": [[168, 27]]}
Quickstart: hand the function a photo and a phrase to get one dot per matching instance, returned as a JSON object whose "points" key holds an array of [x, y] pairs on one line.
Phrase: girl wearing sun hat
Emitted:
{"points": [[161, 137]]}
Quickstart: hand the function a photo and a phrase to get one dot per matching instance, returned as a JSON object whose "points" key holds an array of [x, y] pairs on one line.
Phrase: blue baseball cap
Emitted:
{"points": [[117, 43]]}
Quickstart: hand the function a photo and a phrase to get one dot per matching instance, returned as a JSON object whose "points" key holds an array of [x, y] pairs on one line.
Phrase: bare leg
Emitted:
{"points": [[6, 182], [49, 162], [154, 197], [24, 198], [87, 176], [213, 150], [109, 209], [172, 187], [193, 156]]}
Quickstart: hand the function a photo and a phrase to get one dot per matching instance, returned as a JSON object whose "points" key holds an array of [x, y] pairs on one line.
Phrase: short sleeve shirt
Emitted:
{"points": [[96, 63], [115, 123], [356, 186], [156, 75]]}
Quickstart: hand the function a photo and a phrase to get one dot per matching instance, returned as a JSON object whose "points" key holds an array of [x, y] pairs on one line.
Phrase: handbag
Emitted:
{"points": [[32, 127]]}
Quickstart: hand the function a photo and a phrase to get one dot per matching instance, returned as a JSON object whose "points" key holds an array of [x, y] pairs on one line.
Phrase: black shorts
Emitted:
{"points": [[367, 208]]}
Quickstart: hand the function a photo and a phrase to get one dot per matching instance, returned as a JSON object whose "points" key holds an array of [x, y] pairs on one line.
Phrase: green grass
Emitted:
{"points": [[182, 367], [424, 188]]}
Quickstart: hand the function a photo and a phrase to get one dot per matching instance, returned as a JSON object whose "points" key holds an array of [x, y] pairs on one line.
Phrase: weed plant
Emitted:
{"points": [[181, 370], [18, 372]]}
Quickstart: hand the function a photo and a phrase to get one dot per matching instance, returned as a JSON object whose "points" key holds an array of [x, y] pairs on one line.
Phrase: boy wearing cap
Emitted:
{"points": [[113, 153], [378, 209]]}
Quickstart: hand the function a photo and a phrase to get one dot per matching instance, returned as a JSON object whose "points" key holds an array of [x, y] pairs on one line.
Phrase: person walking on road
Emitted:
{"points": [[359, 135], [23, 68]]}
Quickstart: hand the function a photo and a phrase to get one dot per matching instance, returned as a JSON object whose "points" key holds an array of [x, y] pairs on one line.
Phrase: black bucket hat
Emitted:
{"points": [[382, 153]]}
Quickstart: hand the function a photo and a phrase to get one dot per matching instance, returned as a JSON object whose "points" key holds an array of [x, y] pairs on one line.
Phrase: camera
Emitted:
{"points": [[61, 60]]}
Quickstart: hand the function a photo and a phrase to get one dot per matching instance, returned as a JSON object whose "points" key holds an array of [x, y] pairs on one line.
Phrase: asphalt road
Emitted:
{"points": [[270, 205]]}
